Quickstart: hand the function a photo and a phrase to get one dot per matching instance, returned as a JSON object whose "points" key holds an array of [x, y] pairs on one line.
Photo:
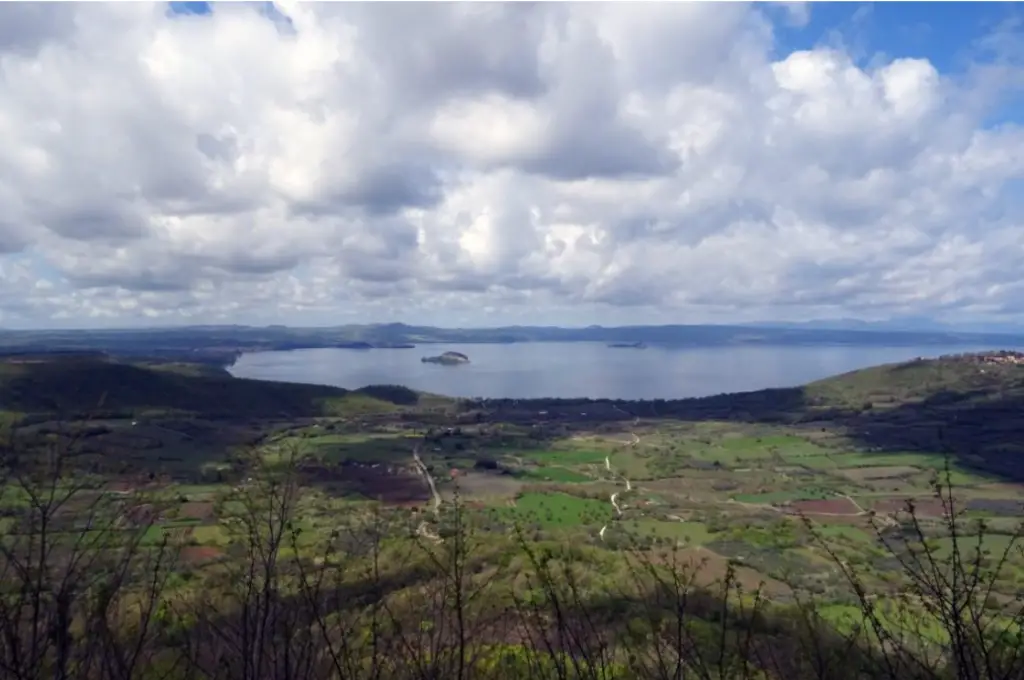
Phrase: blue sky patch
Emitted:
{"points": [[948, 34]]}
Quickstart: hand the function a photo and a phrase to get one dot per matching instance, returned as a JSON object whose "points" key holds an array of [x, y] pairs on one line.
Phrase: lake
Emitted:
{"points": [[578, 369]]}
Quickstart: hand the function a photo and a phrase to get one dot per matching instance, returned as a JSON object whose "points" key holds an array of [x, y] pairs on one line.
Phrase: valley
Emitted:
{"points": [[729, 476], [780, 492]]}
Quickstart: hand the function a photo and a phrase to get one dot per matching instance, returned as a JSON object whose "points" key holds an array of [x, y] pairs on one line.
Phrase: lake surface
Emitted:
{"points": [[578, 369]]}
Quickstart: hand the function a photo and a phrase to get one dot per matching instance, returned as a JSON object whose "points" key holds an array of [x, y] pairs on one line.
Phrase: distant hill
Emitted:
{"points": [[909, 324], [945, 380], [81, 386], [221, 345], [970, 406]]}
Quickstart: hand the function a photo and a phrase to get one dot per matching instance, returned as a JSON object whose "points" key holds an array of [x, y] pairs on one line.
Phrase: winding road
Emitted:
{"points": [[424, 528], [430, 480], [608, 466]]}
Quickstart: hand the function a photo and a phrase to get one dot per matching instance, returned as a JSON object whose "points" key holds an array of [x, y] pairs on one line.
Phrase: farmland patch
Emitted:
{"points": [[830, 506], [806, 493], [861, 474], [923, 507], [199, 554], [561, 510]]}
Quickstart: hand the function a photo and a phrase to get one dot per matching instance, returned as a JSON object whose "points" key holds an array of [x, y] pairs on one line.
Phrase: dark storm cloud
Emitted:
{"points": [[26, 26], [87, 222], [432, 51], [614, 152]]}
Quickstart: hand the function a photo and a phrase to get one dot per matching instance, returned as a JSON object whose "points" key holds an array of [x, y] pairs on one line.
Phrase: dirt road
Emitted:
{"points": [[629, 486], [430, 480]]}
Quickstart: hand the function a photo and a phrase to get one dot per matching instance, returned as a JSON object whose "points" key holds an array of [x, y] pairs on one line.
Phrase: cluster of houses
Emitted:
{"points": [[1001, 357]]}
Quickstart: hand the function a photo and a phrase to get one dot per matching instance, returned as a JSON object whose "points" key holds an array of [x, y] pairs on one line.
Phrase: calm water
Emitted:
{"points": [[528, 370]]}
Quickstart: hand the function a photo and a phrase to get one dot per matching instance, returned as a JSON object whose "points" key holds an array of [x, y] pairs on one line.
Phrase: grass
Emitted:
{"points": [[368, 448], [559, 510], [804, 494], [197, 492], [210, 534], [847, 618], [154, 535], [821, 461], [355, 438], [364, 449], [921, 460], [9, 419], [992, 546], [731, 447], [691, 533], [630, 464], [12, 497], [843, 533], [565, 457], [959, 475], [963, 477], [555, 474], [766, 445]]}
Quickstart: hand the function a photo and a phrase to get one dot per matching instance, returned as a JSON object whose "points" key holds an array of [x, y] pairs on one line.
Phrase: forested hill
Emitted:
{"points": [[79, 386]]}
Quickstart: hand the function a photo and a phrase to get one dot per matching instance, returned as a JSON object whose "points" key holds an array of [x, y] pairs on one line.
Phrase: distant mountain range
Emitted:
{"points": [[222, 344], [902, 324]]}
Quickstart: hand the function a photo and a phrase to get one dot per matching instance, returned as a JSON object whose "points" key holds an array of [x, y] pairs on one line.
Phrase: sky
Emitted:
{"points": [[465, 164]]}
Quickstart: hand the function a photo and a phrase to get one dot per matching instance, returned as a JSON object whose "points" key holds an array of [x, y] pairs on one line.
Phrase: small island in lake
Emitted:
{"points": [[448, 358], [629, 345]]}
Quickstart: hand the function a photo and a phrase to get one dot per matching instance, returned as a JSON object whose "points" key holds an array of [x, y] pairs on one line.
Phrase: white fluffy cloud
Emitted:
{"points": [[487, 163]]}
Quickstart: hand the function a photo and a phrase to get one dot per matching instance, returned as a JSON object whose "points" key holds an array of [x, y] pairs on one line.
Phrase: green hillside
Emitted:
{"points": [[922, 387], [965, 378], [87, 386], [970, 406]]}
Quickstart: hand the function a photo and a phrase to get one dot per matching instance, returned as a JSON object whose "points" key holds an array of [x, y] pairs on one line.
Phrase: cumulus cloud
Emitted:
{"points": [[489, 163]]}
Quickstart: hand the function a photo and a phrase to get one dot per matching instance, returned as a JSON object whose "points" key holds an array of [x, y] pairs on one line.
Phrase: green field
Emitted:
{"points": [[558, 510], [688, 533], [197, 492], [804, 494], [921, 460], [848, 618], [746, 447], [631, 463], [210, 534], [551, 473], [842, 533], [565, 457], [992, 545]]}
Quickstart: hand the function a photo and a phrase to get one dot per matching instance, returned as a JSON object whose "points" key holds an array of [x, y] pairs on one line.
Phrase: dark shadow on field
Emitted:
{"points": [[76, 388], [89, 388], [368, 466], [979, 430], [982, 429], [389, 484], [587, 623]]}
